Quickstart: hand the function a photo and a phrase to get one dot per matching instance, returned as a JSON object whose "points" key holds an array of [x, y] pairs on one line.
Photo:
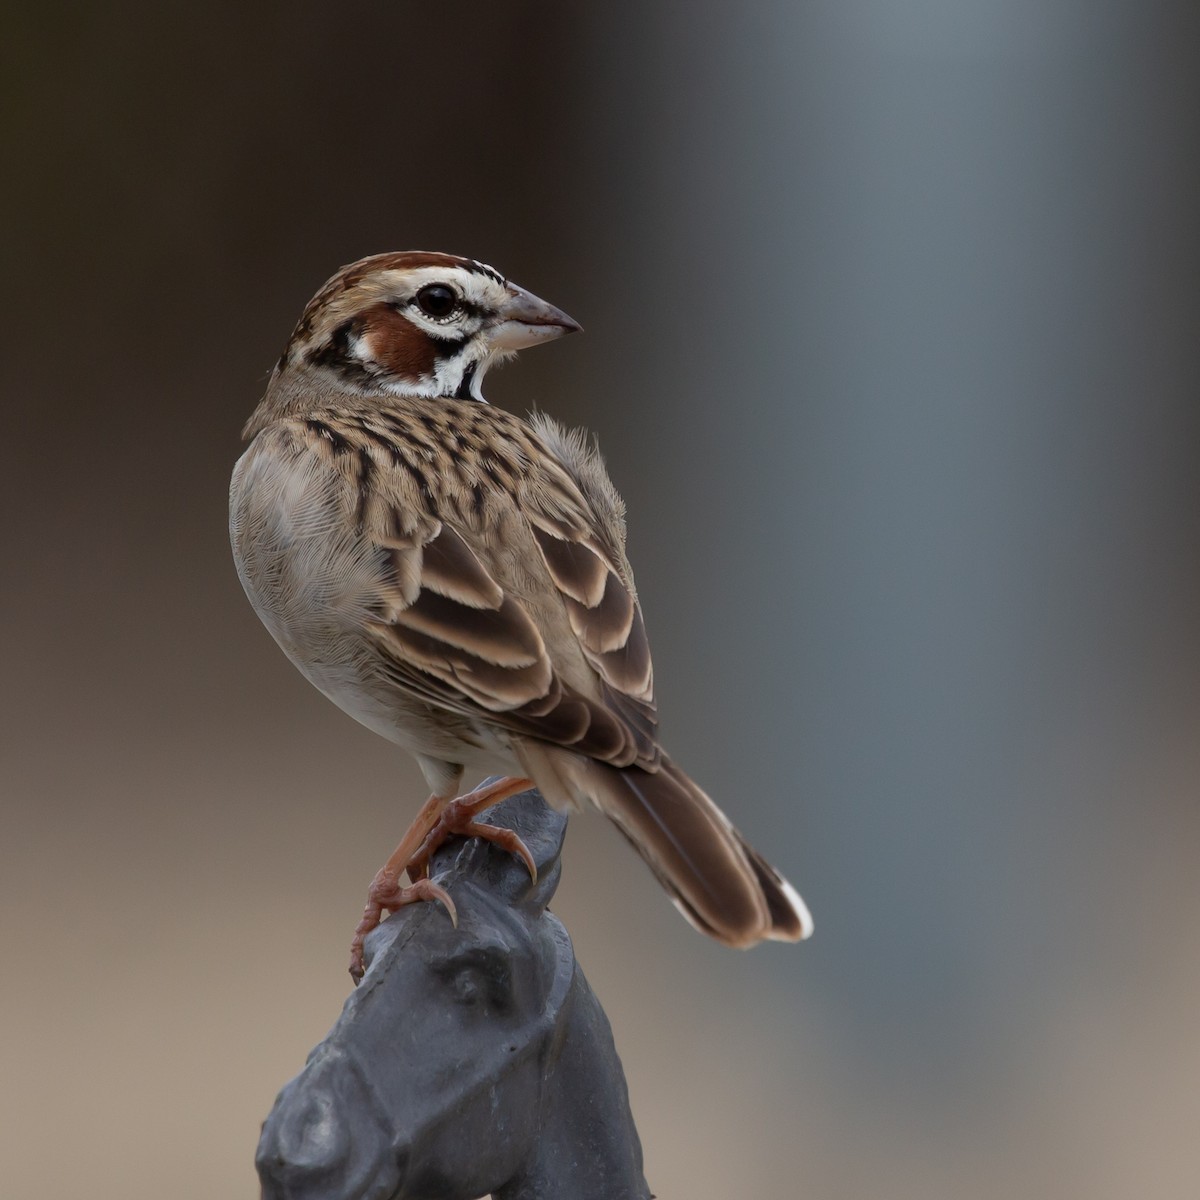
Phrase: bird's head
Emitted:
{"points": [[418, 324]]}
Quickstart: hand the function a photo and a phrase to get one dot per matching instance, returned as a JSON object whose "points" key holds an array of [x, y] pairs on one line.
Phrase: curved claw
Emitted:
{"points": [[506, 839], [386, 895], [437, 821], [458, 819], [443, 897]]}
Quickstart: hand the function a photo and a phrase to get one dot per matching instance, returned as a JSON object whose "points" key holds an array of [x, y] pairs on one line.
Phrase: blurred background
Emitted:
{"points": [[892, 317]]}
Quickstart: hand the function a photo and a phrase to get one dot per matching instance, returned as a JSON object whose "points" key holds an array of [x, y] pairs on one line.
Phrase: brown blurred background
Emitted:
{"points": [[892, 318]]}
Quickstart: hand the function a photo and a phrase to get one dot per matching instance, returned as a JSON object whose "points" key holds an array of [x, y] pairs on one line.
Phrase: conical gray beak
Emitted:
{"points": [[524, 320]]}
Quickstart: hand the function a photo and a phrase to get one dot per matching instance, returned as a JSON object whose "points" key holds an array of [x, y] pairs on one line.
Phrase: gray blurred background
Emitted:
{"points": [[892, 317]]}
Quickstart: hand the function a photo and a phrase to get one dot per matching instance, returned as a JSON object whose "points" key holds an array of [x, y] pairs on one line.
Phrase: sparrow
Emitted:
{"points": [[455, 578]]}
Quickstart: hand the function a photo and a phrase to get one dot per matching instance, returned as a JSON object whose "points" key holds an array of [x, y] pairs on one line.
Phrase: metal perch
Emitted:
{"points": [[469, 1061]]}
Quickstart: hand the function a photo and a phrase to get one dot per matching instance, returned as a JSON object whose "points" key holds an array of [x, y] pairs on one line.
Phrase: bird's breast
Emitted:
{"points": [[313, 578]]}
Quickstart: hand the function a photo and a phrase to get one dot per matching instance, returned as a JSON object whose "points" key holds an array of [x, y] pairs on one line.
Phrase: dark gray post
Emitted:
{"points": [[469, 1061]]}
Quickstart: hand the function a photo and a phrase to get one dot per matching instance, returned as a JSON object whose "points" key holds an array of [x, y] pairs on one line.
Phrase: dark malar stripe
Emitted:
{"points": [[464, 388]]}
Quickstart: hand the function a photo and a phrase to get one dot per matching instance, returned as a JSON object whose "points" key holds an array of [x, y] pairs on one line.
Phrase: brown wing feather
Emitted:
{"points": [[577, 570], [449, 568], [603, 611], [456, 617], [459, 640]]}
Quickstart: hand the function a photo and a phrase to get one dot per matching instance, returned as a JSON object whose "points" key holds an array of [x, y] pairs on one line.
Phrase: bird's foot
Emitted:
{"points": [[387, 894], [457, 819], [435, 823]]}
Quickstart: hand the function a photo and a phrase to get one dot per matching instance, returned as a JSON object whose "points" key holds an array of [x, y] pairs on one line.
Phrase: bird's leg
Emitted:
{"points": [[458, 818], [386, 893], [438, 820]]}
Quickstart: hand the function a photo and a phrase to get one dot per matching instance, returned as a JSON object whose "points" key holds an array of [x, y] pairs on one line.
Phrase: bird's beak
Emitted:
{"points": [[524, 320]]}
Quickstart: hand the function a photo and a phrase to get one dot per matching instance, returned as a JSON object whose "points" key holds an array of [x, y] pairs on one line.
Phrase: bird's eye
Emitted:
{"points": [[437, 300]]}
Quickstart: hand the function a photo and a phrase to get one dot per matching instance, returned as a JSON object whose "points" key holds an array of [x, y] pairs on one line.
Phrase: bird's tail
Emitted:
{"points": [[717, 880]]}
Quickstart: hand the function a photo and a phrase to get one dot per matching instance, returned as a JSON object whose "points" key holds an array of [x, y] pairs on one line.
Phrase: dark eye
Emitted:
{"points": [[437, 300]]}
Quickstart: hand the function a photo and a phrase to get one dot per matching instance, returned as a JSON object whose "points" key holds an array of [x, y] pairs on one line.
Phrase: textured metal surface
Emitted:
{"points": [[470, 1060]]}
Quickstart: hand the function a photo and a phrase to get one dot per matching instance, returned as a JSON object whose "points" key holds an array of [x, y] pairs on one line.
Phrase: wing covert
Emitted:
{"points": [[448, 631]]}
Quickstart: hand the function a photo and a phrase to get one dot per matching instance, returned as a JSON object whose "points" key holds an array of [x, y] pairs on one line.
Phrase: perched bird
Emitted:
{"points": [[455, 578]]}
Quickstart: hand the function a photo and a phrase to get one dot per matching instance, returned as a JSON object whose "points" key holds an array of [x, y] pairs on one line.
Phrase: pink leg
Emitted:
{"points": [[438, 820], [458, 818]]}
